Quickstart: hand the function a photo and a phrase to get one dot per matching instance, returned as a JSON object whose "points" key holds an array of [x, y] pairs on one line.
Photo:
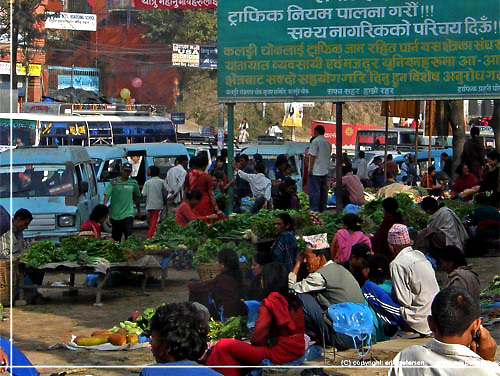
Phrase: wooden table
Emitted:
{"points": [[146, 271]]}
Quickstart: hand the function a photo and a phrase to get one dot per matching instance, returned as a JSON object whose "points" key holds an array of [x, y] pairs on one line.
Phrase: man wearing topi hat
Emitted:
{"points": [[414, 281]]}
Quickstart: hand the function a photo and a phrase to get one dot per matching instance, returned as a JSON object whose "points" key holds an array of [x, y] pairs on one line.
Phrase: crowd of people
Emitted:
{"points": [[389, 271]]}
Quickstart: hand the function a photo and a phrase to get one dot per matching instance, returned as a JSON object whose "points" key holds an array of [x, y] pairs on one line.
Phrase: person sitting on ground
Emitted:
{"points": [[390, 210], [346, 237], [352, 189], [92, 227], [286, 198], [284, 248], [185, 212], [15, 363], [485, 231], [491, 182], [179, 334], [260, 186], [462, 187], [327, 283], [461, 345], [278, 334], [224, 293], [380, 273], [430, 183], [445, 219], [460, 274], [414, 281], [358, 262], [254, 291]]}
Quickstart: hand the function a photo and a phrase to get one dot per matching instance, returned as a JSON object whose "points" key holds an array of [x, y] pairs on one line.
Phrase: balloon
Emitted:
{"points": [[125, 93], [136, 82]]}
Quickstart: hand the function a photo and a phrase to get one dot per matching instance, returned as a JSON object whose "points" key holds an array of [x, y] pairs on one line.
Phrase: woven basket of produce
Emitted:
{"points": [[5, 281], [208, 271]]}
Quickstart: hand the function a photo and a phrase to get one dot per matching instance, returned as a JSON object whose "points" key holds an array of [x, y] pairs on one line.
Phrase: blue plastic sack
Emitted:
{"points": [[253, 312], [353, 320], [332, 200], [351, 209]]}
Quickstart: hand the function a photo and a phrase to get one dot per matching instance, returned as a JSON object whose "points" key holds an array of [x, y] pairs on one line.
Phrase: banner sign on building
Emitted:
{"points": [[175, 4], [178, 117], [90, 83], [35, 70], [186, 55], [358, 50], [208, 57], [71, 21]]}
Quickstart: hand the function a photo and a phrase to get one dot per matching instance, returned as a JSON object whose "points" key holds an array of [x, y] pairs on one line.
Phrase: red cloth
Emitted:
{"points": [[340, 249], [90, 225], [184, 214], [463, 183], [274, 317], [380, 245], [153, 217], [204, 183]]}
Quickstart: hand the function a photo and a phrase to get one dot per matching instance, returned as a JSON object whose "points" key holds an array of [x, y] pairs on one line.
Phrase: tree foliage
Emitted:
{"points": [[187, 26], [27, 29]]}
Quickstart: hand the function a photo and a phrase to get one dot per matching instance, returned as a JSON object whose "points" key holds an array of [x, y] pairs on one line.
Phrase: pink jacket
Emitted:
{"points": [[343, 242]]}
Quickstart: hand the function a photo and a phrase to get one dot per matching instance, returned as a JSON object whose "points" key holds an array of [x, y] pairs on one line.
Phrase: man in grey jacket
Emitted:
{"points": [[327, 283]]}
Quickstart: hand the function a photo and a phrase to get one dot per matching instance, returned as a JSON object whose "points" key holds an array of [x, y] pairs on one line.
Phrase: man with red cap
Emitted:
{"points": [[414, 280]]}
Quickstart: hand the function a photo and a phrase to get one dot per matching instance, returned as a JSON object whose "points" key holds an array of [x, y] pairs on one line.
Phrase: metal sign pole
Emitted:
{"points": [[338, 146], [230, 154]]}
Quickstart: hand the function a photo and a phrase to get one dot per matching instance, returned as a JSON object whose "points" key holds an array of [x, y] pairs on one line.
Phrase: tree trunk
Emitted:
{"points": [[455, 110], [495, 122]]}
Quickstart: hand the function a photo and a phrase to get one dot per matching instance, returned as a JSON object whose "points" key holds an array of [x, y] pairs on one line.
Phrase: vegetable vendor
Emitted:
{"points": [[224, 293], [278, 334], [284, 248], [185, 212], [92, 227]]}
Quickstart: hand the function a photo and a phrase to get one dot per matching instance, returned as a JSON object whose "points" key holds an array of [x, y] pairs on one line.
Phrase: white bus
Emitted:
{"points": [[85, 130]]}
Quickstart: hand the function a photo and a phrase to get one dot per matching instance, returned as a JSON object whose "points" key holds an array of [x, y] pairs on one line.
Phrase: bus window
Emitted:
{"points": [[23, 132]]}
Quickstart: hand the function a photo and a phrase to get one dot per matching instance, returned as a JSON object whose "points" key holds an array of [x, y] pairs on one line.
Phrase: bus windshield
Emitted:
{"points": [[37, 180]]}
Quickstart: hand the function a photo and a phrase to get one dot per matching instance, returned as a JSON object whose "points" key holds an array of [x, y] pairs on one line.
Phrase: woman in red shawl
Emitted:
{"points": [[278, 334], [197, 178], [464, 181], [380, 245]]}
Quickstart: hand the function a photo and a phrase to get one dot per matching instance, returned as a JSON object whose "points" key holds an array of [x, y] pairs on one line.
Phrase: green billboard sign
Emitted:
{"points": [[338, 50]]}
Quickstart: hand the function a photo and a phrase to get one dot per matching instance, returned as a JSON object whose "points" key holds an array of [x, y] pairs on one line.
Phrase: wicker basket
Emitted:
{"points": [[208, 271], [5, 282]]}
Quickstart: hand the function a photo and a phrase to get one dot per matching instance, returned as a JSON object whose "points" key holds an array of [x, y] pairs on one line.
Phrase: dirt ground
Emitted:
{"points": [[37, 327]]}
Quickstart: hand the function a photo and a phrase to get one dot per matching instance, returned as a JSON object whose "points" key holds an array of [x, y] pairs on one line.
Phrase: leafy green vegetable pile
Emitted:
{"points": [[491, 294], [234, 327], [372, 215], [83, 251], [144, 321]]}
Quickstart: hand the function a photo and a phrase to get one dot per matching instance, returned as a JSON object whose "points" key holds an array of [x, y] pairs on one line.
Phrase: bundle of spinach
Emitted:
{"points": [[42, 252], [144, 321], [113, 252], [234, 327], [207, 253]]}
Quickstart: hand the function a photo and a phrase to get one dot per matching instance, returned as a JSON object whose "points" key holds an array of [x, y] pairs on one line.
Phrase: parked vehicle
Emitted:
{"points": [[294, 150], [56, 184], [107, 162]]}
